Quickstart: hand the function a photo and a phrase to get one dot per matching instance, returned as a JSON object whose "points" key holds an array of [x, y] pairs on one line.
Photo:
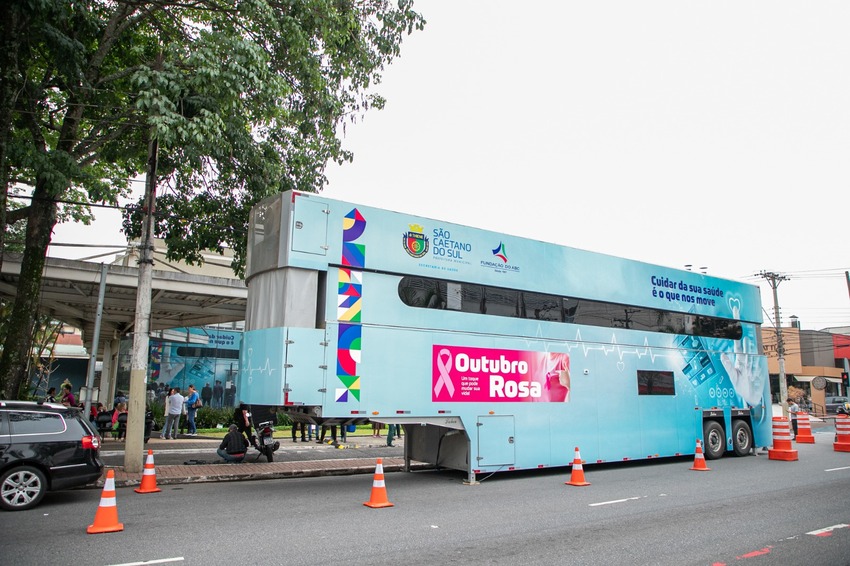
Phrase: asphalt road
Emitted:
{"points": [[748, 510]]}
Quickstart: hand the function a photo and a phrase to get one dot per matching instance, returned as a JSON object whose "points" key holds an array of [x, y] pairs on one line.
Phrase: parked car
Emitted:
{"points": [[44, 447], [836, 405]]}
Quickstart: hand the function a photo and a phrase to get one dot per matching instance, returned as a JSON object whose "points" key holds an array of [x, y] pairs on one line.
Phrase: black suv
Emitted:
{"points": [[44, 446]]}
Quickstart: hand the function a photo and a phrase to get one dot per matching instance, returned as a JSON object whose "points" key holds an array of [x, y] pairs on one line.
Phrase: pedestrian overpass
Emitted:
{"points": [[70, 291]]}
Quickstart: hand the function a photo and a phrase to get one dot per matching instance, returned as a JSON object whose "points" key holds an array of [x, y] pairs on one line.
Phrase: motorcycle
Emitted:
{"points": [[265, 442]]}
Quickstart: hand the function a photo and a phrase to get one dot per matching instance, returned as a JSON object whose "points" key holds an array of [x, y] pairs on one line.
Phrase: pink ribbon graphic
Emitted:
{"points": [[443, 365]]}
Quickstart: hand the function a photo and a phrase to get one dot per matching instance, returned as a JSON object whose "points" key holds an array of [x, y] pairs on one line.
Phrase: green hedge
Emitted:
{"points": [[207, 417]]}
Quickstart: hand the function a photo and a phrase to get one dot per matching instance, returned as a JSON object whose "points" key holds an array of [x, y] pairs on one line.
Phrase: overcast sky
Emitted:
{"points": [[715, 134]]}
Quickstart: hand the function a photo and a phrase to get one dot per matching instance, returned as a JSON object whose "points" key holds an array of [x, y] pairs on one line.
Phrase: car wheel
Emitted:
{"points": [[22, 488]]}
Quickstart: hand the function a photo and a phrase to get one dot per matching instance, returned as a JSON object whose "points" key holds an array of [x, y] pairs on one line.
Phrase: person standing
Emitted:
{"points": [[173, 408], [233, 446], [242, 419], [68, 398], [296, 426], [51, 395], [391, 428], [206, 395], [793, 409], [192, 404], [218, 393]]}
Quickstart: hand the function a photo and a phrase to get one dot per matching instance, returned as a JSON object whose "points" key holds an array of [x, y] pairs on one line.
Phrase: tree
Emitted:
{"points": [[244, 99]]}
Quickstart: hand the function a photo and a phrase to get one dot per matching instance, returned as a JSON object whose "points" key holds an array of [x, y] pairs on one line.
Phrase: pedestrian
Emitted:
{"points": [[68, 398], [793, 409], [321, 437], [96, 409], [193, 403], [376, 429], [391, 428], [218, 393], [206, 395], [119, 398], [51, 395], [173, 408], [233, 446], [296, 426], [119, 424], [242, 419]]}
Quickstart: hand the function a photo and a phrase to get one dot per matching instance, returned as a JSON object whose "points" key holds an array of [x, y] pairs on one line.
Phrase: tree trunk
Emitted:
{"points": [[8, 79], [17, 346]]}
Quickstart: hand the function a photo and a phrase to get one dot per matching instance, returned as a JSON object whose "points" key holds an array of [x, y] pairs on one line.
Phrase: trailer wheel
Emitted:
{"points": [[742, 438], [715, 440]]}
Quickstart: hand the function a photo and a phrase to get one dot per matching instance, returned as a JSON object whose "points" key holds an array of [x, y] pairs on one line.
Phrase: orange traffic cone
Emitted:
{"points": [[842, 434], [699, 459], [804, 429], [148, 484], [577, 476], [379, 489], [106, 518], [781, 441]]}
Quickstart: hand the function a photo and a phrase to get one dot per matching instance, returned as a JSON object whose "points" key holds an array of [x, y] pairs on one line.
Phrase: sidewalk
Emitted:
{"points": [[214, 470]]}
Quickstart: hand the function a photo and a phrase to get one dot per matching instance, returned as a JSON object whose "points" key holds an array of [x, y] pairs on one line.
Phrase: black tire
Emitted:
{"points": [[22, 488], [715, 440], [742, 438], [269, 451]]}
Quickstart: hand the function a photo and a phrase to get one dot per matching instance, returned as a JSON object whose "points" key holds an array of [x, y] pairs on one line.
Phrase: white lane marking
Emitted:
{"points": [[613, 501], [160, 561], [837, 469], [827, 530]]}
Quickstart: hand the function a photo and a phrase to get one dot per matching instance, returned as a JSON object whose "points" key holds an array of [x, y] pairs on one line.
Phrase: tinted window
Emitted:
{"points": [[199, 352], [501, 302], [472, 299], [655, 383], [423, 292], [36, 423], [541, 307]]}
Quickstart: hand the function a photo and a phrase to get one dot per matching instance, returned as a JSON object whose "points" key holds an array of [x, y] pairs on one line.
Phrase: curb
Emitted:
{"points": [[219, 472]]}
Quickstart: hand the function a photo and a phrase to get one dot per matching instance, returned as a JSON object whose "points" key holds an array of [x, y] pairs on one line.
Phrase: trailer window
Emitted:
{"points": [[656, 383], [424, 292]]}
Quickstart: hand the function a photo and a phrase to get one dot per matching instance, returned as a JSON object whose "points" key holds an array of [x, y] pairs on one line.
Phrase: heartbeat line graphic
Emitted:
{"points": [[263, 370], [607, 349]]}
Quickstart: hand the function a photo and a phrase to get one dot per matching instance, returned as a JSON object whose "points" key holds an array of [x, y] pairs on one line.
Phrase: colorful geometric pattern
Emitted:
{"points": [[353, 226], [349, 303], [349, 290]]}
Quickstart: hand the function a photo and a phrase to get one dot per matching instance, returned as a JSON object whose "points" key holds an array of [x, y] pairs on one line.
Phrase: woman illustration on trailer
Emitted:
{"points": [[557, 376]]}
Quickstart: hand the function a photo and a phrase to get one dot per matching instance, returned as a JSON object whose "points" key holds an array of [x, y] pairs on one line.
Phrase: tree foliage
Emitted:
{"points": [[245, 98]]}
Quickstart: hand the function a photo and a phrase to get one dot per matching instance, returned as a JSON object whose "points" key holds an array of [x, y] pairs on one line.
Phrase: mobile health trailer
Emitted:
{"points": [[494, 352]]}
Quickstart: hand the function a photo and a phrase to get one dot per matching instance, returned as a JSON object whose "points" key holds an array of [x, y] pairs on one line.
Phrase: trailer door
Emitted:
{"points": [[495, 441], [310, 227], [305, 367]]}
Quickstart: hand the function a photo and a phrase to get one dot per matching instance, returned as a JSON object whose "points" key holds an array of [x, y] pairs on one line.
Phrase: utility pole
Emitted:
{"points": [[774, 280], [847, 277], [134, 442]]}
